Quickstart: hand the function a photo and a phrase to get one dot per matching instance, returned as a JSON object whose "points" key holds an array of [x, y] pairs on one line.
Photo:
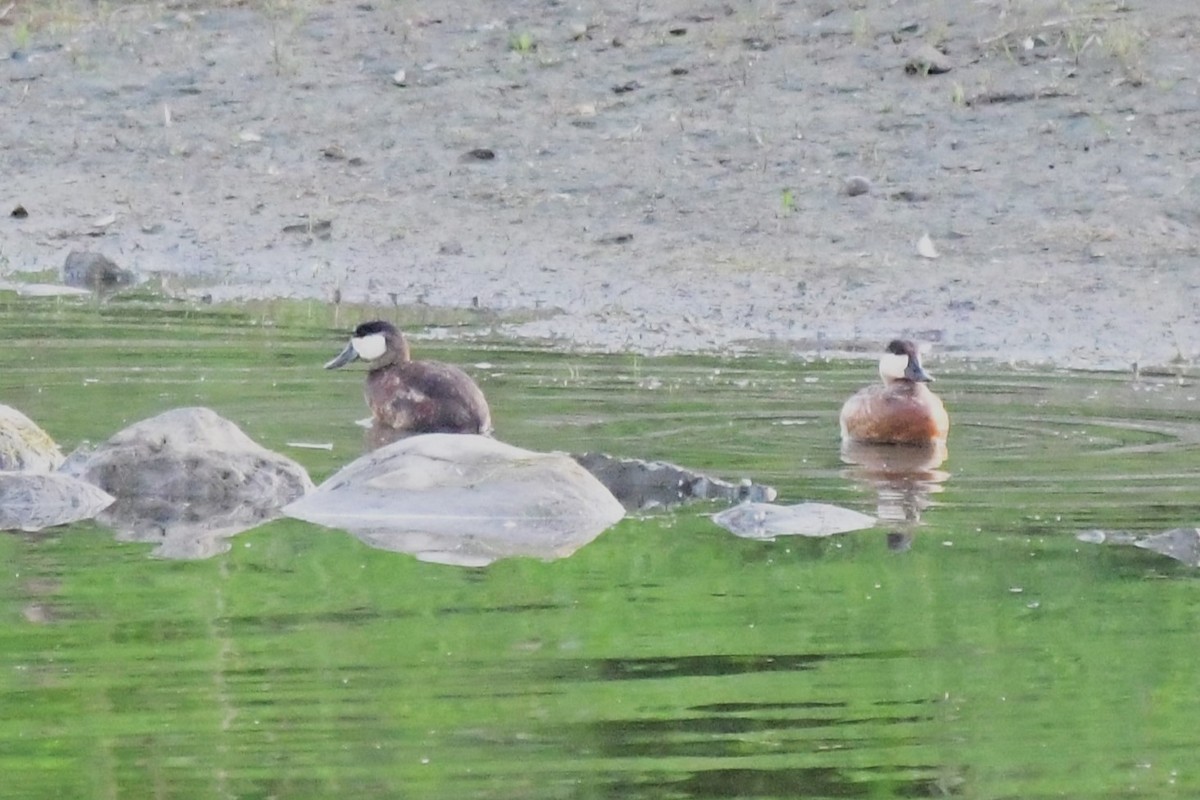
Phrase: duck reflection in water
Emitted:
{"points": [[894, 439], [903, 477]]}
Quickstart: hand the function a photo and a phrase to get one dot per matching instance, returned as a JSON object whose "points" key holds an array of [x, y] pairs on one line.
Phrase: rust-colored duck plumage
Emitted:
{"points": [[901, 409]]}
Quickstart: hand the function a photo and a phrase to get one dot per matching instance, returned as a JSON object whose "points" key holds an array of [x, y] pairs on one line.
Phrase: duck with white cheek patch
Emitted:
{"points": [[901, 409], [413, 396]]}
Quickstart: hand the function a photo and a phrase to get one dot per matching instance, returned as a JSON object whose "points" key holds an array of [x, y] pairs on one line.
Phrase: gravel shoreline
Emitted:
{"points": [[657, 178]]}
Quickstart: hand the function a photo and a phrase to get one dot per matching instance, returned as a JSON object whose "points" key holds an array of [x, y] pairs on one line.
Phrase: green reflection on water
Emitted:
{"points": [[997, 657]]}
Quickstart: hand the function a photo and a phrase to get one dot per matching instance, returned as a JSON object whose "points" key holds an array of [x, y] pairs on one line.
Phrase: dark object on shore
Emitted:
{"points": [[94, 271]]}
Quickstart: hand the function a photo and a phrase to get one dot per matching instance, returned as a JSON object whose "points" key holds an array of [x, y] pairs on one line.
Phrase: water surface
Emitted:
{"points": [[990, 654]]}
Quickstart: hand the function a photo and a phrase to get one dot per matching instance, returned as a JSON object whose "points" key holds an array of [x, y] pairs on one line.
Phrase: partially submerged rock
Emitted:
{"points": [[94, 271], [24, 447], [32, 502], [187, 480], [642, 484], [767, 520], [1181, 544], [463, 499]]}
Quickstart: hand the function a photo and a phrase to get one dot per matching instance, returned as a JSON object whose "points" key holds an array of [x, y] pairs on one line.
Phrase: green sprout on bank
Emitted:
{"points": [[522, 43], [21, 36], [788, 201]]}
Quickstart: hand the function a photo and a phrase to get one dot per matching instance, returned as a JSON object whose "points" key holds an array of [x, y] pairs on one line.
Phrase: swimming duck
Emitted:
{"points": [[413, 396], [901, 410]]}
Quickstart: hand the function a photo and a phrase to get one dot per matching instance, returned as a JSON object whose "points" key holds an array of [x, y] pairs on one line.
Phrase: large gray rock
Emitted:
{"points": [[24, 447], [767, 520], [463, 499], [31, 502], [187, 480]]}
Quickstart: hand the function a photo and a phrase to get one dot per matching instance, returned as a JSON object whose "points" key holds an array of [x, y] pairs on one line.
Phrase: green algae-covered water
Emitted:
{"points": [[982, 651]]}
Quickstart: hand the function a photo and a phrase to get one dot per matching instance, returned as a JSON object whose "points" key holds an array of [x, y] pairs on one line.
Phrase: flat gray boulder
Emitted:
{"points": [[463, 499], [188, 479], [24, 447], [767, 520], [35, 501]]}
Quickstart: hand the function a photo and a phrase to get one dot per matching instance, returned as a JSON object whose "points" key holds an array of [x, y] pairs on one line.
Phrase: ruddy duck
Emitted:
{"points": [[901, 410], [413, 396]]}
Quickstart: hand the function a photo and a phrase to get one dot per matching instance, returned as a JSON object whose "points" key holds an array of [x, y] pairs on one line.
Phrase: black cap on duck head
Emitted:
{"points": [[370, 342], [902, 362], [375, 326]]}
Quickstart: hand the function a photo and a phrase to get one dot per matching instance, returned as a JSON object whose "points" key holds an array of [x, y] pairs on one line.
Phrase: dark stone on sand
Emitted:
{"points": [[856, 185], [94, 271], [616, 238], [928, 60], [320, 228]]}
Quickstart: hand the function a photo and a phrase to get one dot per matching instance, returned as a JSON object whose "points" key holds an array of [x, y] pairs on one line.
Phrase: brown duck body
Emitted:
{"points": [[427, 397], [901, 412], [413, 396], [902, 409]]}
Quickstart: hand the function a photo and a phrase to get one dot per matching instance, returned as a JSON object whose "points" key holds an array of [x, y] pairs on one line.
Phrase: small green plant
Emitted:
{"points": [[787, 202], [522, 43], [1125, 43], [959, 95], [21, 36]]}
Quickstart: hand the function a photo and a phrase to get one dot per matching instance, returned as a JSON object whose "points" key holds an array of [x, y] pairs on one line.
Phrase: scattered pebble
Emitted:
{"points": [[856, 185], [321, 228], [19, 212], [479, 154], [928, 60], [628, 86], [616, 238], [400, 78], [925, 248], [910, 196]]}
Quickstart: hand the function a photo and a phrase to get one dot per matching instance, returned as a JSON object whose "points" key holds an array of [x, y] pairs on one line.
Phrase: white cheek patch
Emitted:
{"points": [[369, 347], [892, 366]]}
